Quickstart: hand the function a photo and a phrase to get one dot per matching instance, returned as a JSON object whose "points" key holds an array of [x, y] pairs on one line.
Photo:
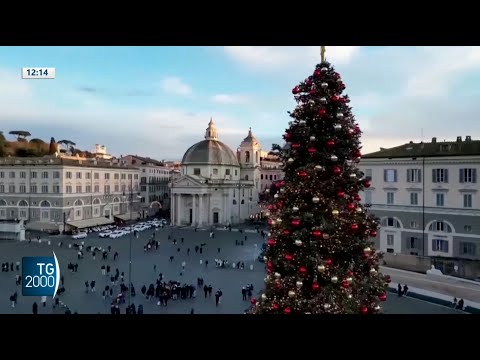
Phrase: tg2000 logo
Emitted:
{"points": [[40, 276]]}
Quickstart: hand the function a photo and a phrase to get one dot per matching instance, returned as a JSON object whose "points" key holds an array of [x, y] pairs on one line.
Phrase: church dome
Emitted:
{"points": [[210, 151]]}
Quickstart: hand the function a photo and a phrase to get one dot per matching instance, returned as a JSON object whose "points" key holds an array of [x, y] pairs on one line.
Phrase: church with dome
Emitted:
{"points": [[218, 186]]}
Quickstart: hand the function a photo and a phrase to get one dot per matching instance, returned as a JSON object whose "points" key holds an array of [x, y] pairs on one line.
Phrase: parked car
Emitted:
{"points": [[105, 234], [116, 234], [80, 235]]}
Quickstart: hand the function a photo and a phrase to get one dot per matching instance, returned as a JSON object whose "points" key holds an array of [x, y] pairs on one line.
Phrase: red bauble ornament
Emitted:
{"points": [[354, 227], [341, 194], [337, 170], [382, 297], [351, 206], [322, 112], [364, 310], [367, 183], [275, 306], [388, 279], [288, 257], [343, 100], [287, 136], [356, 130], [282, 182], [295, 222], [295, 90], [278, 185], [272, 242], [302, 174], [345, 284], [280, 204], [302, 270], [357, 153], [269, 264], [270, 221], [286, 232], [271, 207], [328, 262], [357, 197], [296, 146], [313, 91], [373, 233], [336, 75], [335, 98], [287, 310], [330, 143], [309, 82], [317, 233], [317, 73], [315, 286], [350, 273], [253, 301], [312, 150]]}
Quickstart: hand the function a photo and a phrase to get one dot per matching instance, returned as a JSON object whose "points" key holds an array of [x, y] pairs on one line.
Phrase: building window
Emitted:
{"points": [[78, 175], [11, 188], [413, 243], [390, 239], [88, 188], [12, 175], [413, 224], [236, 172], [2, 175], [68, 189], [116, 176], [23, 214], [246, 177], [196, 171], [23, 174], [124, 176], [390, 198], [391, 222], [116, 188], [227, 171], [129, 176], [135, 176], [368, 197], [44, 189], [106, 189], [33, 189], [440, 176], [68, 175], [414, 175], [440, 245], [44, 174], [368, 174], [468, 176], [56, 189], [33, 174], [390, 175], [56, 174], [440, 199], [23, 189], [2, 188], [468, 228], [215, 171], [468, 248], [413, 198], [440, 226], [261, 177], [247, 156], [467, 200], [79, 189], [96, 176], [107, 176], [87, 176]]}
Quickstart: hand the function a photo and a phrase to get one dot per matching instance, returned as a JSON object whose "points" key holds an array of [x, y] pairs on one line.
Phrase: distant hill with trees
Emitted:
{"points": [[22, 147]]}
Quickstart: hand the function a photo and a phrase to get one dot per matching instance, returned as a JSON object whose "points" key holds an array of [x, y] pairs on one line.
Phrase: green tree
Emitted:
{"points": [[320, 256], [20, 134], [2, 144]]}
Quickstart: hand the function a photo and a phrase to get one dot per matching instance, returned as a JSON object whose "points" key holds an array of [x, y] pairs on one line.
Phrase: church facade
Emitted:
{"points": [[216, 185]]}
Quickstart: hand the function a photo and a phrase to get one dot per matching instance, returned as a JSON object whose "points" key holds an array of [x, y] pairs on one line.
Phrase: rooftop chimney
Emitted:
{"points": [[434, 140], [468, 138], [411, 142], [459, 139]]}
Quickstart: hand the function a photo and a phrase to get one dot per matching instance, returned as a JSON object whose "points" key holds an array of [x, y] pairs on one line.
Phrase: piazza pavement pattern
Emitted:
{"points": [[229, 280]]}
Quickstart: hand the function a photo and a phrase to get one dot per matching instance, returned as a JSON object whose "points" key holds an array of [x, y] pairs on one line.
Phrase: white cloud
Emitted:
{"points": [[229, 99], [175, 85], [274, 58]]}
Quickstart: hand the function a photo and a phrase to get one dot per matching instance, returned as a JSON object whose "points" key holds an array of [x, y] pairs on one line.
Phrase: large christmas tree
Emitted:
{"points": [[320, 256]]}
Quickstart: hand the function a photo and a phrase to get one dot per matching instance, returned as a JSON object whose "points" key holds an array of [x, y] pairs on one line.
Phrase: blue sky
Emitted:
{"points": [[157, 101]]}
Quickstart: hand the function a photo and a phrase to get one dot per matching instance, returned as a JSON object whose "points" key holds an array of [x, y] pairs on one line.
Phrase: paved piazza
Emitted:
{"points": [[229, 280]]}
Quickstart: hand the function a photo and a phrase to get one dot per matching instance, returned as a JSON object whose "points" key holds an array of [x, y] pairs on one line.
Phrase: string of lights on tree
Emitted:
{"points": [[320, 256]]}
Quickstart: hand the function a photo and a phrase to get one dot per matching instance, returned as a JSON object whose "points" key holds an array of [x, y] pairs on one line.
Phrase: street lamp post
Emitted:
{"points": [[423, 205]]}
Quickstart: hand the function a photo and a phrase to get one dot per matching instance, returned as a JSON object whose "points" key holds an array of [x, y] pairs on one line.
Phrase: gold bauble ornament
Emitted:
{"points": [[265, 258], [373, 270], [295, 208], [277, 275], [282, 190], [337, 127], [290, 160], [321, 268], [323, 100], [267, 191], [349, 296], [318, 167], [339, 115], [335, 212], [327, 306], [291, 293], [299, 284], [264, 297], [302, 122], [367, 250], [334, 279], [334, 158], [275, 196], [267, 213], [279, 221], [377, 308], [315, 200], [312, 138], [359, 210], [349, 279], [298, 242], [324, 85], [352, 175]]}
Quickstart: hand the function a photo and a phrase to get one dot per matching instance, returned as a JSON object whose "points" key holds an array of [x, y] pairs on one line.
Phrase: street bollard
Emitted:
{"points": [[40, 241], [69, 246], [49, 242], [251, 267]]}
